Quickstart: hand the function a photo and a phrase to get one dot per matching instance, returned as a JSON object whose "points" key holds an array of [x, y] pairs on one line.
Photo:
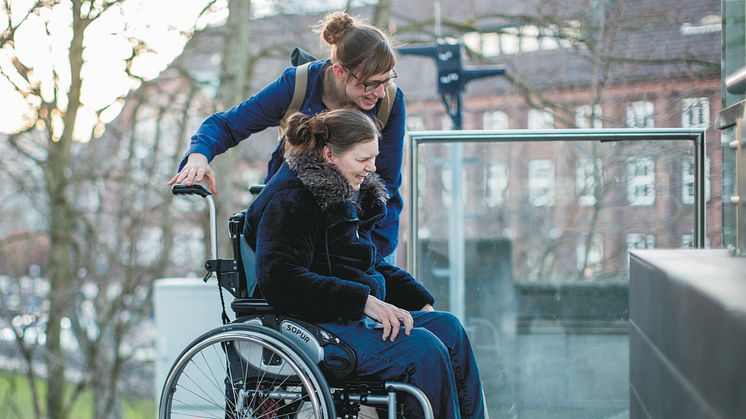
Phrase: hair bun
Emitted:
{"points": [[298, 131], [336, 25], [319, 130]]}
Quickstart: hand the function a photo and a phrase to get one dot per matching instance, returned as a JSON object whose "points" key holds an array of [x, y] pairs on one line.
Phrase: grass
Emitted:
{"points": [[16, 401]]}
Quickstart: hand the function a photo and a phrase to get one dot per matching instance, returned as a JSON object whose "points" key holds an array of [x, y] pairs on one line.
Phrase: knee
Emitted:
{"points": [[451, 322], [431, 350]]}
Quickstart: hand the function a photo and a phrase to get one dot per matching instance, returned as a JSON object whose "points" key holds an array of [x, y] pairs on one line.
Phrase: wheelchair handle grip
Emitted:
{"points": [[194, 189], [255, 189]]}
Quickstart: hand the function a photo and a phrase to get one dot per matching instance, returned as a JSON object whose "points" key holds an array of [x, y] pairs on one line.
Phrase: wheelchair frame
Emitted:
{"points": [[297, 345]]}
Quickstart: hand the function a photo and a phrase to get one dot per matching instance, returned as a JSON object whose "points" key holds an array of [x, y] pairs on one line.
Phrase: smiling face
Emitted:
{"points": [[356, 90], [356, 163], [363, 94]]}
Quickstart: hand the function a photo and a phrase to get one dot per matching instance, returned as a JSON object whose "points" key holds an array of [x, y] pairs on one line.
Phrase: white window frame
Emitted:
{"points": [[641, 114], [540, 119], [595, 255], [640, 240], [695, 112], [447, 184], [415, 123], [588, 176], [583, 116], [687, 180], [641, 181], [541, 183], [495, 120], [687, 241], [446, 124], [496, 179]]}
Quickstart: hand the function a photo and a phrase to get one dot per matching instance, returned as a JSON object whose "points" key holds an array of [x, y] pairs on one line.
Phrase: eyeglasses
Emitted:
{"points": [[372, 85]]}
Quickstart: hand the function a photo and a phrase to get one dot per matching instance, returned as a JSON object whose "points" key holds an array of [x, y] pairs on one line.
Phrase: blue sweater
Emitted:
{"points": [[224, 130]]}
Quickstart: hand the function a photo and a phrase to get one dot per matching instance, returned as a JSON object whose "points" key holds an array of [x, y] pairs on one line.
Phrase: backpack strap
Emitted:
{"points": [[301, 82], [386, 104], [299, 93]]}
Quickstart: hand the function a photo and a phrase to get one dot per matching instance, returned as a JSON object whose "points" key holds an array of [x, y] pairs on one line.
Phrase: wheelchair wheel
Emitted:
{"points": [[241, 371]]}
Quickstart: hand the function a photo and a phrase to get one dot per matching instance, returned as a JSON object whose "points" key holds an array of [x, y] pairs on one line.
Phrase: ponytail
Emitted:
{"points": [[339, 129]]}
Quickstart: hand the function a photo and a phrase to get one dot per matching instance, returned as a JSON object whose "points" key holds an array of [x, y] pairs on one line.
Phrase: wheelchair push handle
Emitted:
{"points": [[255, 189], [194, 189], [197, 189]]}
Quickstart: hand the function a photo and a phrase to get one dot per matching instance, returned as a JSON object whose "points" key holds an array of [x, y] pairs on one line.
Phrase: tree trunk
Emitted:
{"points": [[382, 14], [62, 261], [234, 88]]}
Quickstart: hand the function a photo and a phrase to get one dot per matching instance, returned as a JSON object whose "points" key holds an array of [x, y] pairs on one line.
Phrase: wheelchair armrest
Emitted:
{"points": [[248, 306]]}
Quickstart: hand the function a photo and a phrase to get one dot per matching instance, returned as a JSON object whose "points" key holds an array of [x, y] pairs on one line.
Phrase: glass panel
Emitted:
{"points": [[728, 187], [545, 296], [734, 44]]}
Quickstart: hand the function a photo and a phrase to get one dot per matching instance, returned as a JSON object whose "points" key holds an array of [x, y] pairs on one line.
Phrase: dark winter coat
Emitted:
{"points": [[314, 254]]}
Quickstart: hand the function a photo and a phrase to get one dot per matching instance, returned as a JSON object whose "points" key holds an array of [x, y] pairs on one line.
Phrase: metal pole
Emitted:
{"points": [[456, 243], [699, 192], [456, 251]]}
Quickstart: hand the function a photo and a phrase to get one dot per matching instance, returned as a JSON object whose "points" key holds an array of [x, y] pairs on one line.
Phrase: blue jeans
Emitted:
{"points": [[436, 357]]}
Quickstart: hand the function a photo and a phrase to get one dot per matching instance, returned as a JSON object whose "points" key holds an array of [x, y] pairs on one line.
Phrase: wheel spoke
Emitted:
{"points": [[282, 382]]}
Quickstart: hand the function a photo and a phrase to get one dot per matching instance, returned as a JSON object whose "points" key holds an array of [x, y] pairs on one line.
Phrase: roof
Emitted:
{"points": [[641, 40]]}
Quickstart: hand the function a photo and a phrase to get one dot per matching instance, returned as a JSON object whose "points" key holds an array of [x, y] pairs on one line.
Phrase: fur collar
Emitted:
{"points": [[328, 186]]}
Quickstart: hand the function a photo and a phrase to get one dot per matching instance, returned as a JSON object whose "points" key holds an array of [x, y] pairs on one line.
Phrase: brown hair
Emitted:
{"points": [[339, 129], [357, 45]]}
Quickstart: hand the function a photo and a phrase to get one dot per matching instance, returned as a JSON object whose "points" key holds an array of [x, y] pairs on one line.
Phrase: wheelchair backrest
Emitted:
{"points": [[244, 255], [249, 266]]}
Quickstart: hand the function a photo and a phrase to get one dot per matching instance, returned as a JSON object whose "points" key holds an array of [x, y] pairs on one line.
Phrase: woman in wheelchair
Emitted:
{"points": [[311, 231]]}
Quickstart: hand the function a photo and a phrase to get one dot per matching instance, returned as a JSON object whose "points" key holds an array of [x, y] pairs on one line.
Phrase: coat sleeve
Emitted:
{"points": [[388, 166], [287, 234], [402, 290], [223, 130]]}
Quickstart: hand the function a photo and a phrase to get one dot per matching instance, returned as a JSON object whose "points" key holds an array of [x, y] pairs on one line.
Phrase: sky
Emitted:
{"points": [[159, 23]]}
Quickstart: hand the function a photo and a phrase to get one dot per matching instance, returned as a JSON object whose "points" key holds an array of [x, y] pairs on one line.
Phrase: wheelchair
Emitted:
{"points": [[265, 364]]}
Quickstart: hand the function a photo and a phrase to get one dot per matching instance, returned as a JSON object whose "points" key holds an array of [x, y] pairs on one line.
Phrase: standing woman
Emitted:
{"points": [[310, 228], [355, 76]]}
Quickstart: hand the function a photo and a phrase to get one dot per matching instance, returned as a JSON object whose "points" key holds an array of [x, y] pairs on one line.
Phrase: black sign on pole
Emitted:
{"points": [[452, 76]]}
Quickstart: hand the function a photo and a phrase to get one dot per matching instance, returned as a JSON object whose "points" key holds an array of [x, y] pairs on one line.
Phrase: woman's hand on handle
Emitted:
{"points": [[390, 316], [196, 169]]}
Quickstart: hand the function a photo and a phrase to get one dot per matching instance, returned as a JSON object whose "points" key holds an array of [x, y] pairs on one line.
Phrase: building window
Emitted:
{"points": [[587, 116], [540, 119], [526, 38], [687, 180], [496, 182], [588, 176], [541, 183], [640, 115], [640, 241], [529, 38], [447, 184], [495, 120], [589, 254], [695, 112], [415, 123], [446, 123], [687, 241], [509, 41], [708, 24], [641, 181]]}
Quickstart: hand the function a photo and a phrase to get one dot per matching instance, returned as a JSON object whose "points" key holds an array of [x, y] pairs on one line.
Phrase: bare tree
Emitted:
{"points": [[46, 142]]}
